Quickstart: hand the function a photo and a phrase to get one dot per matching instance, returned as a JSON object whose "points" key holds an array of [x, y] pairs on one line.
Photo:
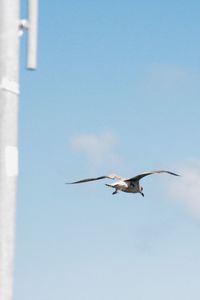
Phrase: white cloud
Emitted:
{"points": [[98, 148], [187, 189]]}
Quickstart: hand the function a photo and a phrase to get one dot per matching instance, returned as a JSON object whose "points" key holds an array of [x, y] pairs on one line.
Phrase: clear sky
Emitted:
{"points": [[116, 90]]}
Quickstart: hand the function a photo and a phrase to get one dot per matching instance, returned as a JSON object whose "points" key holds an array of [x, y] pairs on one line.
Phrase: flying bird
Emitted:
{"points": [[128, 185]]}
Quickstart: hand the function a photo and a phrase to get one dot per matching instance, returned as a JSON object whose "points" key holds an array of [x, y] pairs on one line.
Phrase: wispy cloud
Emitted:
{"points": [[170, 80], [98, 148], [187, 189], [164, 75]]}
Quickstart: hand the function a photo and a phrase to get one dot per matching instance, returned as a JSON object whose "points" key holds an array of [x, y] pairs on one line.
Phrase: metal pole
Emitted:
{"points": [[9, 91]]}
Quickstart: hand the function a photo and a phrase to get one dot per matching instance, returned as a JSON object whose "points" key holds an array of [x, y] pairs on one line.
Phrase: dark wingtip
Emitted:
{"points": [[175, 174]]}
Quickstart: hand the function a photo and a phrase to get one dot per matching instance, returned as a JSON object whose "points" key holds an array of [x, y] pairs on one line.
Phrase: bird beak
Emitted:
{"points": [[142, 194]]}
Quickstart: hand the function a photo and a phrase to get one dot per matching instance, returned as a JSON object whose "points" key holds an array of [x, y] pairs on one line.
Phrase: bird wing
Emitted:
{"points": [[112, 176], [115, 176], [140, 176]]}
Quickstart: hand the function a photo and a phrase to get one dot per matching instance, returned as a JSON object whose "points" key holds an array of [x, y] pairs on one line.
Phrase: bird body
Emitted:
{"points": [[128, 185], [125, 186]]}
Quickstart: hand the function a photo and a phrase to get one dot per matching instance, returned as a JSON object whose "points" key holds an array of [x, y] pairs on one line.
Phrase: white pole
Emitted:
{"points": [[32, 34], [9, 90], [10, 25]]}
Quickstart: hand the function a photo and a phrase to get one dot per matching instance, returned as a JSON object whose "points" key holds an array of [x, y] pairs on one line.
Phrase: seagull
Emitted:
{"points": [[127, 185]]}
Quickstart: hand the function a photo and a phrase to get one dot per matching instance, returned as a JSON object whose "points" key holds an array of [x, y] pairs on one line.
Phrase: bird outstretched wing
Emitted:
{"points": [[111, 176], [140, 176]]}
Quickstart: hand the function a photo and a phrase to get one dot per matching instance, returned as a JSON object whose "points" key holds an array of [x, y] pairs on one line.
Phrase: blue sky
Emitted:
{"points": [[116, 90]]}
